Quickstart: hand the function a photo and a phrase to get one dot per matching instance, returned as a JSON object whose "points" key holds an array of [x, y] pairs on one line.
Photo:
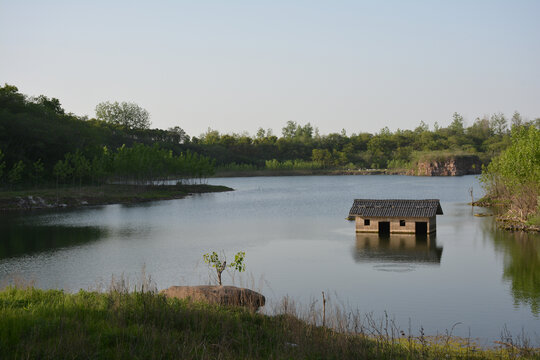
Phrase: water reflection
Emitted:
{"points": [[24, 240], [521, 264], [398, 249]]}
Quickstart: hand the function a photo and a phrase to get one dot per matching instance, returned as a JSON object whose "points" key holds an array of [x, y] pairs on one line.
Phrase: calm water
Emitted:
{"points": [[298, 243]]}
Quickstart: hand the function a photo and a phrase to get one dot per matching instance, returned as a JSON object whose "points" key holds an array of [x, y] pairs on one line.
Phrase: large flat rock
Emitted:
{"points": [[214, 294]]}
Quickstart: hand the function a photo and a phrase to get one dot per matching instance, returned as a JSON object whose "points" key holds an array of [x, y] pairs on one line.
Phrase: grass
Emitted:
{"points": [[98, 195], [52, 324], [534, 220]]}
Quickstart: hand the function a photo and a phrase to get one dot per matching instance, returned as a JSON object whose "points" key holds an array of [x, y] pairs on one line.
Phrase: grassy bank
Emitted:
{"points": [[53, 324], [507, 217], [98, 195]]}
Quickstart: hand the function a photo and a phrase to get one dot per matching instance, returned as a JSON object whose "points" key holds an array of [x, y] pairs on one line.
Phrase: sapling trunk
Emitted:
{"points": [[219, 270]]}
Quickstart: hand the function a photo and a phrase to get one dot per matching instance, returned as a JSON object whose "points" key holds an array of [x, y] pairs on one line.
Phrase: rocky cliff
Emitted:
{"points": [[452, 166]]}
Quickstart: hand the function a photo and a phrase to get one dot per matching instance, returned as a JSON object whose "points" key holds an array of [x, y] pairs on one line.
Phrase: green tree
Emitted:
{"points": [[289, 131], [15, 175], [213, 260], [62, 171], [498, 123], [51, 104], [38, 170], [457, 126], [129, 115], [516, 119], [514, 176], [178, 135], [261, 134], [2, 165], [321, 156]]}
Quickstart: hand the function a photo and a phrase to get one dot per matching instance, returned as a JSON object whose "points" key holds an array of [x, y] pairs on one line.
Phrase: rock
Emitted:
{"points": [[223, 295], [452, 166]]}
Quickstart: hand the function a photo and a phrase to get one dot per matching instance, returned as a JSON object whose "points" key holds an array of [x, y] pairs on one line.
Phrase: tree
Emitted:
{"points": [[260, 133], [38, 170], [214, 261], [457, 124], [321, 156], [51, 104], [62, 170], [2, 165], [289, 131], [129, 115], [498, 123], [178, 134], [516, 119], [16, 172]]}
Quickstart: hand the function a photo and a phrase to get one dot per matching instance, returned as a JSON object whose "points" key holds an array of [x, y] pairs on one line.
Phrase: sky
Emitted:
{"points": [[235, 66]]}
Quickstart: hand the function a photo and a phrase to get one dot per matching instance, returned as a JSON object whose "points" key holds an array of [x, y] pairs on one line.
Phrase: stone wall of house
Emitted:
{"points": [[453, 166], [395, 226]]}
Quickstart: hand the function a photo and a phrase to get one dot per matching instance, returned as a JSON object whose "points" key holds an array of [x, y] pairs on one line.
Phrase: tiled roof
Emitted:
{"points": [[396, 208]]}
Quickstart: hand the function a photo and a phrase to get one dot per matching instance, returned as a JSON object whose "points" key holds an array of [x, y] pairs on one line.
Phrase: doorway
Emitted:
{"points": [[421, 228], [384, 227]]}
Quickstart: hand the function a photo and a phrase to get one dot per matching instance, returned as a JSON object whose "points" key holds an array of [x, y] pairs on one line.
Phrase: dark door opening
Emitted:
{"points": [[384, 227], [421, 228]]}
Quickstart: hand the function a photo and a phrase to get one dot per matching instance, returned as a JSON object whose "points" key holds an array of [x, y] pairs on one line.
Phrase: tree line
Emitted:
{"points": [[40, 144], [302, 147], [37, 133]]}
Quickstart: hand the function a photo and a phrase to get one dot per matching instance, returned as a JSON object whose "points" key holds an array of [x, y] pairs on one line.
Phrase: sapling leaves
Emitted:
{"points": [[213, 261]]}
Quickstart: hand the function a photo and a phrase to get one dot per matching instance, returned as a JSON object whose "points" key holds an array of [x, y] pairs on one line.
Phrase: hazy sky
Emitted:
{"points": [[238, 65]]}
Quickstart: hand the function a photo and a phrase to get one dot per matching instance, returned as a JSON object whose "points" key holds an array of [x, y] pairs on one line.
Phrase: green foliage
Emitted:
{"points": [[139, 164], [2, 165], [521, 265], [38, 128], [237, 167], [62, 170], [15, 175], [129, 115], [514, 176], [53, 324], [520, 163], [213, 260], [398, 164], [292, 165], [38, 170]]}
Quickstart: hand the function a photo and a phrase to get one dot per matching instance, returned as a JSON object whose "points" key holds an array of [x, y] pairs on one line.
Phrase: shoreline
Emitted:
{"points": [[504, 221], [76, 197], [292, 172]]}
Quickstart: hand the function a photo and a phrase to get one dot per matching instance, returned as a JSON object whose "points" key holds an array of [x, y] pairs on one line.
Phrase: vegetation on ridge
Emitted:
{"points": [[513, 178], [42, 144]]}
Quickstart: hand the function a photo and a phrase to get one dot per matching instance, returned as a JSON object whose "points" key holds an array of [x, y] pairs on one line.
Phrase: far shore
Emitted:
{"points": [[75, 196], [294, 172]]}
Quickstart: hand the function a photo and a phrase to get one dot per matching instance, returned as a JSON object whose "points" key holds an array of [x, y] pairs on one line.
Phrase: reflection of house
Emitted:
{"points": [[395, 216], [399, 248]]}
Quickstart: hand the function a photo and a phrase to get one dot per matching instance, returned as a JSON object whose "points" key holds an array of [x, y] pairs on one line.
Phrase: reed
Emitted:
{"points": [[134, 321]]}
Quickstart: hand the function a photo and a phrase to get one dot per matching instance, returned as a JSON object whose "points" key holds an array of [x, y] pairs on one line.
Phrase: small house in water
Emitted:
{"points": [[396, 216]]}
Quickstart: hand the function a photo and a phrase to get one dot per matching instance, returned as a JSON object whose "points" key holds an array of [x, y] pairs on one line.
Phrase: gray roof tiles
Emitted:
{"points": [[396, 208]]}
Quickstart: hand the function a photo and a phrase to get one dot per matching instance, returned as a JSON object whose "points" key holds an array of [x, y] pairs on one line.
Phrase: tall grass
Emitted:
{"points": [[127, 323]]}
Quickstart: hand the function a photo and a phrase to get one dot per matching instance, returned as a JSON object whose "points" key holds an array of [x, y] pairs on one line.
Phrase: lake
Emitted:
{"points": [[298, 243]]}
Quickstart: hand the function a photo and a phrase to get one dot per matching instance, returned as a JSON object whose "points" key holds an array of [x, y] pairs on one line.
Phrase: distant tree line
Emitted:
{"points": [[37, 133], [40, 143], [302, 147]]}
